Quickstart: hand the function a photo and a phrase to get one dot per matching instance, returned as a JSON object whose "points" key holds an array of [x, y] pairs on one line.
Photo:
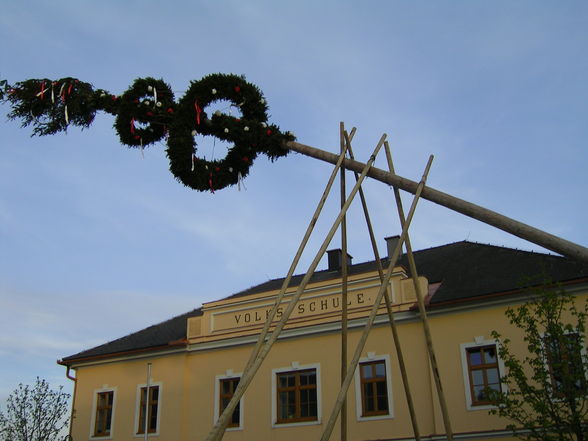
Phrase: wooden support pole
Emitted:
{"points": [[223, 421], [387, 300], [219, 428], [422, 309], [371, 318], [343, 420], [519, 229]]}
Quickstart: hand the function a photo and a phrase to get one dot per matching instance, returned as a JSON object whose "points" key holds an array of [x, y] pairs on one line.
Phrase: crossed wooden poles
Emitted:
{"points": [[266, 338]]}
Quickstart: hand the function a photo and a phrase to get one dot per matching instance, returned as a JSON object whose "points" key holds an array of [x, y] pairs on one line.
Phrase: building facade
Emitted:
{"points": [[197, 359]]}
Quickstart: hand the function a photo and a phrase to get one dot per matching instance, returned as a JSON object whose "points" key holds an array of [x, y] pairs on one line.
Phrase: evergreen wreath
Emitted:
{"points": [[147, 101], [147, 112]]}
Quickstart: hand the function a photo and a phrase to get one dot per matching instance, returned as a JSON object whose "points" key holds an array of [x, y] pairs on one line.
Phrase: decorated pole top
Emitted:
{"points": [[147, 112]]}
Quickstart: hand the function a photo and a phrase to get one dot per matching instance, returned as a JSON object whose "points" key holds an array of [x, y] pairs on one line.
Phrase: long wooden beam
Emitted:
{"points": [[504, 223]]}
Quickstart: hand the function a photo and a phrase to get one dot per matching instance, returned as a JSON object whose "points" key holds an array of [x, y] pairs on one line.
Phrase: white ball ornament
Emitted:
{"points": [[194, 133], [214, 91], [264, 125], [226, 130], [262, 101], [246, 128], [230, 169], [158, 104], [217, 113], [150, 88], [146, 102]]}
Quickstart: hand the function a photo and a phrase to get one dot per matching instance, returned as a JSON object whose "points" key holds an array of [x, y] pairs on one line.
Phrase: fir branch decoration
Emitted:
{"points": [[147, 112]]}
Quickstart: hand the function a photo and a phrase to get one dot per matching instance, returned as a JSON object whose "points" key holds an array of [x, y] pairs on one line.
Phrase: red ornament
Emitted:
{"points": [[245, 159], [136, 101], [114, 98], [170, 110], [237, 89], [269, 132], [137, 137], [217, 169]]}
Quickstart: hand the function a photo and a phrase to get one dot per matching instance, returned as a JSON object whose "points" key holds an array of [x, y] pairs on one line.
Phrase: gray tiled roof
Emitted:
{"points": [[465, 270]]}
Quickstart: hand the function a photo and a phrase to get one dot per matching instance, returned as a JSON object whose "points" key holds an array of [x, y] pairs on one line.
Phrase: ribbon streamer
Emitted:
{"points": [[198, 112], [41, 94], [240, 182], [61, 92], [133, 126], [210, 182], [193, 161]]}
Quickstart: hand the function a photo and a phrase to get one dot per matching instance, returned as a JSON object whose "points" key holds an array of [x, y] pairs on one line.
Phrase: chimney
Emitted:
{"points": [[391, 243], [336, 259]]}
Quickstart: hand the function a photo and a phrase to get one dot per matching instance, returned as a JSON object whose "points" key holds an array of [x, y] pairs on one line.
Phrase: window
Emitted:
{"points": [[483, 373], [103, 419], [227, 389], [482, 370], [151, 404], [297, 399], [374, 390], [565, 364]]}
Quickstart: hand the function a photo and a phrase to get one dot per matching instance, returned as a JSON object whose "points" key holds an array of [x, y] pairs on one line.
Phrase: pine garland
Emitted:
{"points": [[147, 112]]}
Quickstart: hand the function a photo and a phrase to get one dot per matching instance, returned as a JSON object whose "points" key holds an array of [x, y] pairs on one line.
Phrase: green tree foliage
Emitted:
{"points": [[34, 413], [547, 391]]}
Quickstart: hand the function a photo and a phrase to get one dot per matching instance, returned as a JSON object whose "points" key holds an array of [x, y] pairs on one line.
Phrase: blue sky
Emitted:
{"points": [[97, 241]]}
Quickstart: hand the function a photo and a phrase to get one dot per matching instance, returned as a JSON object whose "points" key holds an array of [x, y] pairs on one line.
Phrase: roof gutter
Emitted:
{"points": [[71, 361]]}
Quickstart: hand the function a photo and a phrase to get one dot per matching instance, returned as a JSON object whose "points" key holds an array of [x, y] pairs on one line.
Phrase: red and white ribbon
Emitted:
{"points": [[198, 112], [210, 182], [41, 94]]}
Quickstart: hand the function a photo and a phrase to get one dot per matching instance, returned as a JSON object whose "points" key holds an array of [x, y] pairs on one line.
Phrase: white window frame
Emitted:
{"points": [[358, 403], [138, 405], [217, 380], [479, 342], [295, 366], [103, 389]]}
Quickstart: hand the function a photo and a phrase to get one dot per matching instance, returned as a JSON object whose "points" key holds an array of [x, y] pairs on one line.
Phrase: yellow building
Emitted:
{"points": [[196, 359]]}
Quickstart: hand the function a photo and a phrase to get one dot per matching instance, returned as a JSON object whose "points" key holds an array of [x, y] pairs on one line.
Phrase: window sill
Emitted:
{"points": [[149, 434], [473, 407], [296, 424], [375, 417], [233, 429]]}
